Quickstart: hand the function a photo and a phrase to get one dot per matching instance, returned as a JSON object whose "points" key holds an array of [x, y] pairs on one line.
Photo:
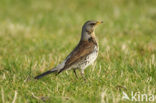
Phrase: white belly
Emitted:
{"points": [[88, 60]]}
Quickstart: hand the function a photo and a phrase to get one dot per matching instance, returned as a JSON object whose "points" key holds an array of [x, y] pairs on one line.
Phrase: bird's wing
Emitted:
{"points": [[83, 49]]}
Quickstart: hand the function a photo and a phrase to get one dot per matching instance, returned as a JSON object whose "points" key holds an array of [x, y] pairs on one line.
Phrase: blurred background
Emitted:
{"points": [[46, 22], [37, 34]]}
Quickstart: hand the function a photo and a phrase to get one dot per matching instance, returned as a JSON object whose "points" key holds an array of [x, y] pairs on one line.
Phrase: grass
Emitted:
{"points": [[37, 35]]}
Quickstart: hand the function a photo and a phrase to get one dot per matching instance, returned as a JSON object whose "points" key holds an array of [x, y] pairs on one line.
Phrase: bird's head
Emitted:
{"points": [[89, 28]]}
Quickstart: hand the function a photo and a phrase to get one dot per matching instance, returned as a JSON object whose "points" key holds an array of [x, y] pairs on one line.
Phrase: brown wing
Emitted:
{"points": [[83, 49]]}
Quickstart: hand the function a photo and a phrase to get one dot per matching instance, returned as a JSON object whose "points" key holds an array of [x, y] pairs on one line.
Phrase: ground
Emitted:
{"points": [[37, 35]]}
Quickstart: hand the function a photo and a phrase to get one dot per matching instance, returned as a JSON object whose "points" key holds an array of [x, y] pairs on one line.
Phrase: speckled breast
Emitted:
{"points": [[88, 60]]}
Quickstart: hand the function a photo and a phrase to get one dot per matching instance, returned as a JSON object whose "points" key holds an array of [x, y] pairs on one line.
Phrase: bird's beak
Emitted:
{"points": [[99, 22]]}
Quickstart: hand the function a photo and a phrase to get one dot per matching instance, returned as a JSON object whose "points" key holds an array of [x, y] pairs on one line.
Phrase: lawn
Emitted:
{"points": [[36, 35]]}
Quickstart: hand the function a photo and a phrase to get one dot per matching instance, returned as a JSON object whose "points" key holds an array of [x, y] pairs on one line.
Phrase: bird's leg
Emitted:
{"points": [[82, 74], [75, 73]]}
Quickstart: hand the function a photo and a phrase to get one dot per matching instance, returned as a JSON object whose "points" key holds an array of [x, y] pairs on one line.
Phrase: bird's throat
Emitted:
{"points": [[86, 35]]}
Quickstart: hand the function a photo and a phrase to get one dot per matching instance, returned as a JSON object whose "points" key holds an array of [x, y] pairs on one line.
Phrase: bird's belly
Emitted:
{"points": [[88, 60]]}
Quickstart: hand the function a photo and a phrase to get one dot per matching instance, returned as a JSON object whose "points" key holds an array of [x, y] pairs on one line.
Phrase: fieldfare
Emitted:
{"points": [[84, 54]]}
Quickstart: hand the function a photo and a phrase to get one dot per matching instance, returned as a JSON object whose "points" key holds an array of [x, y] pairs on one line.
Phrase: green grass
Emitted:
{"points": [[37, 35]]}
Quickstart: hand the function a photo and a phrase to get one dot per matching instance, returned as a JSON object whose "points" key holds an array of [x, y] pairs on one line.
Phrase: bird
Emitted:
{"points": [[83, 55]]}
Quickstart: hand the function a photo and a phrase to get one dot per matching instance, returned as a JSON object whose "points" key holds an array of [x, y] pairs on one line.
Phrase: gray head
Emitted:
{"points": [[88, 29]]}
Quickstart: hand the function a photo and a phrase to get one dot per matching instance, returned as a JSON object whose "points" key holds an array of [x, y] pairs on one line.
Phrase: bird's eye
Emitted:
{"points": [[92, 24]]}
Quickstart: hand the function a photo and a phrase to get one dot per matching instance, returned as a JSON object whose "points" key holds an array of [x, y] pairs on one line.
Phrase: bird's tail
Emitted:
{"points": [[46, 73], [54, 70]]}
